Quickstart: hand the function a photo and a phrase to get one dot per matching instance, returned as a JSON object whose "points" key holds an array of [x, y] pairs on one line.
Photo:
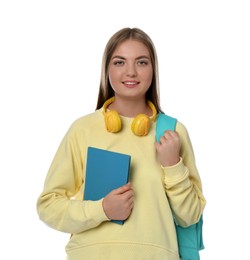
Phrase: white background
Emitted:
{"points": [[50, 61]]}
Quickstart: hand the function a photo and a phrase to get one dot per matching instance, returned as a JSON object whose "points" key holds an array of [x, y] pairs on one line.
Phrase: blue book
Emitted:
{"points": [[105, 171]]}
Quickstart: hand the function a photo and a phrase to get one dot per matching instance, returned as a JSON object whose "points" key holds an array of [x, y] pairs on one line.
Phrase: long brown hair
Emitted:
{"points": [[105, 89]]}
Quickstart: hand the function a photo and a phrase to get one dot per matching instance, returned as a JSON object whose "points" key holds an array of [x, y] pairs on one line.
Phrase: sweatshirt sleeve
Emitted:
{"points": [[183, 185], [55, 205]]}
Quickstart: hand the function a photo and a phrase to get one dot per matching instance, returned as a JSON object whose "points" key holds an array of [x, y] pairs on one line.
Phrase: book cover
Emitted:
{"points": [[105, 171]]}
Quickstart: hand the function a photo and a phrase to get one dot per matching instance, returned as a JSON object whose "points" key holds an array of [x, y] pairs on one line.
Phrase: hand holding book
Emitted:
{"points": [[119, 203]]}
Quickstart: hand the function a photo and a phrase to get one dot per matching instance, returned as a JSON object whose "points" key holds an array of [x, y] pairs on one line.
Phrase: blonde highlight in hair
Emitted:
{"points": [[105, 89]]}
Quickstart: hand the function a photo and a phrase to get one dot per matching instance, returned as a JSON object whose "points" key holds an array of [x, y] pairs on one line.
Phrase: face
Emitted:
{"points": [[130, 70]]}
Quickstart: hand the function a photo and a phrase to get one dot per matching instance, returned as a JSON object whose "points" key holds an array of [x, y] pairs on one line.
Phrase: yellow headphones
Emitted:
{"points": [[140, 125]]}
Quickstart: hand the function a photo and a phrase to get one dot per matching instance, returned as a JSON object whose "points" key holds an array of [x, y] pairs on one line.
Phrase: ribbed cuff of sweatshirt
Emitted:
{"points": [[176, 173], [96, 212]]}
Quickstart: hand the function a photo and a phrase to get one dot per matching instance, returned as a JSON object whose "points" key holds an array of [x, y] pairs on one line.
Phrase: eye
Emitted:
{"points": [[142, 62], [118, 62]]}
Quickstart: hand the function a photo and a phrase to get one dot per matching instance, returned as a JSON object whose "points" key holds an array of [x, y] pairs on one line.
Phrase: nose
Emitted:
{"points": [[131, 70]]}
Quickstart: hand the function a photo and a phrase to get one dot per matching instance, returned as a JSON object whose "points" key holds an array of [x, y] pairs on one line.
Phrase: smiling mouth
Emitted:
{"points": [[130, 84]]}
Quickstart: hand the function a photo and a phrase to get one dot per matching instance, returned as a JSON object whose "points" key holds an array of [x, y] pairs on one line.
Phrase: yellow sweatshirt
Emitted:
{"points": [[149, 232]]}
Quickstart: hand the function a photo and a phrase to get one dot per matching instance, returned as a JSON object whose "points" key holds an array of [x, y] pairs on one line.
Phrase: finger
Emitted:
{"points": [[129, 195], [172, 134], [130, 203], [167, 135], [131, 206], [163, 139], [169, 132], [122, 189], [157, 145]]}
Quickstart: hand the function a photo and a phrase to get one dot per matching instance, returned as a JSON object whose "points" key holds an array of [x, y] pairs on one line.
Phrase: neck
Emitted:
{"points": [[130, 108]]}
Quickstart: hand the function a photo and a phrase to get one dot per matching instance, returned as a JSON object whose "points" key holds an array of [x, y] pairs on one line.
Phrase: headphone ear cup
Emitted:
{"points": [[113, 121], [141, 125]]}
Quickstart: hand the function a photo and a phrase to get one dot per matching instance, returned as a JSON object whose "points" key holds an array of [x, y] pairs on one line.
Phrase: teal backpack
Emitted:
{"points": [[190, 240]]}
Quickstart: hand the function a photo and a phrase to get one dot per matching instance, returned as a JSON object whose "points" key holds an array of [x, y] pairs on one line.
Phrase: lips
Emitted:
{"points": [[130, 84]]}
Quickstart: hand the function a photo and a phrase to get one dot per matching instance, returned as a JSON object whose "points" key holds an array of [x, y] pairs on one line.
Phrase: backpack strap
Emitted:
{"points": [[164, 122], [189, 239]]}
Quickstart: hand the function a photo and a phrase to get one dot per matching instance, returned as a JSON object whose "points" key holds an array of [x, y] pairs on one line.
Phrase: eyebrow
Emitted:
{"points": [[138, 58]]}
